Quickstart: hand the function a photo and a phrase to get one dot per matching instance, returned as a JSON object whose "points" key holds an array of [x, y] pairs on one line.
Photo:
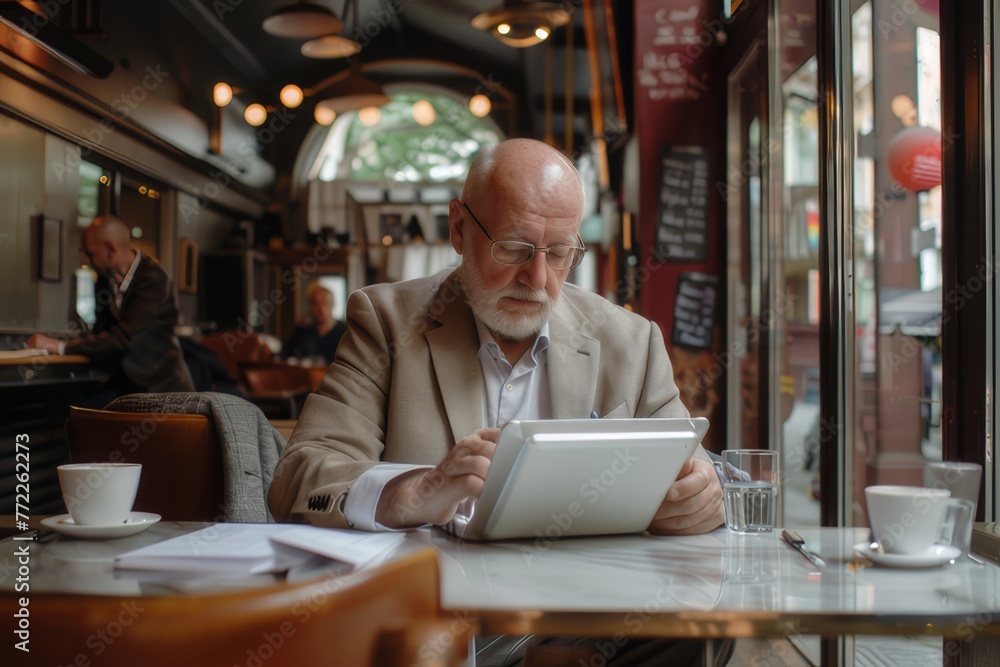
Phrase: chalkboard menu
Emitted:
{"points": [[694, 310], [682, 229]]}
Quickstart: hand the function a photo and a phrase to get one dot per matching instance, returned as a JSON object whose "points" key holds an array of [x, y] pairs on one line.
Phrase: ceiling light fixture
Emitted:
{"points": [[354, 91], [423, 112], [370, 116], [291, 96], [304, 20], [480, 105], [330, 46], [255, 114], [324, 116], [222, 94], [333, 45], [522, 23]]}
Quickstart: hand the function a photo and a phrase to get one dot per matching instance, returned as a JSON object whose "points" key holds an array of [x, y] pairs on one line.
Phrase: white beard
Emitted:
{"points": [[486, 306]]}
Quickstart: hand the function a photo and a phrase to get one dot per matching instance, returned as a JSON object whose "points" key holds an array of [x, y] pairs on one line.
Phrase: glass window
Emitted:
{"points": [[403, 141], [94, 198], [897, 245], [798, 391]]}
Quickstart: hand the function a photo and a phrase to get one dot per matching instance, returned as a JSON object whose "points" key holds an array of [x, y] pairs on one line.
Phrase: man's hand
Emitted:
{"points": [[693, 504], [41, 341], [432, 495]]}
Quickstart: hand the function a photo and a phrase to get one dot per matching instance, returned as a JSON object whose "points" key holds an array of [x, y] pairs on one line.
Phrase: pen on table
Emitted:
{"points": [[796, 542], [36, 535]]}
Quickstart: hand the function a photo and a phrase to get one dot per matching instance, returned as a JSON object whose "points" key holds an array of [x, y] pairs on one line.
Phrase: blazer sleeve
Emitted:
{"points": [[660, 396], [341, 431]]}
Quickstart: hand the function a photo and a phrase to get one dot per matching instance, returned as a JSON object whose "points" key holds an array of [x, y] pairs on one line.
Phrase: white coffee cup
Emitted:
{"points": [[99, 494], [910, 520]]}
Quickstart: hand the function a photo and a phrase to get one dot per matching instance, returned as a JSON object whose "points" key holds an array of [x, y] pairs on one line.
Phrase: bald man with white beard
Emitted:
{"points": [[405, 422], [409, 413]]}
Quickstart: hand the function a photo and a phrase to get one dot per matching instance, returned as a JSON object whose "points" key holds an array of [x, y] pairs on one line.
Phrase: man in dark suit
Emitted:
{"points": [[136, 315]]}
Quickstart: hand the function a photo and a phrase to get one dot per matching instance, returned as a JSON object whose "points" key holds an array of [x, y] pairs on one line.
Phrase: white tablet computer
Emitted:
{"points": [[566, 477]]}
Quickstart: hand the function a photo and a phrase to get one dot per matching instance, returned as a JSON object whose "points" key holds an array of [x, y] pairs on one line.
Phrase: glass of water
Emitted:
{"points": [[750, 488]]}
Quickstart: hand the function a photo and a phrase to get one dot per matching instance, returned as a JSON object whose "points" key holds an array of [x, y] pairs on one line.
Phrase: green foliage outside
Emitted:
{"points": [[398, 148]]}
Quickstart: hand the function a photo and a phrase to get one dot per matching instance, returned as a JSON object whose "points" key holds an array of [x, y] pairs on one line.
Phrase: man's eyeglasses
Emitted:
{"points": [[515, 253]]}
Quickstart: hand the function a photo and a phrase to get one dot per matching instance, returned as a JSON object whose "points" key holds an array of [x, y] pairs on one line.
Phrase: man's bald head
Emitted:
{"points": [[107, 244], [109, 229], [525, 170]]}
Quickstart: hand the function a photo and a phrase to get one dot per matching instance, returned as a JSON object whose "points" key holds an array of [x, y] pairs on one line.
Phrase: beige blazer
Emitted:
{"points": [[407, 384]]}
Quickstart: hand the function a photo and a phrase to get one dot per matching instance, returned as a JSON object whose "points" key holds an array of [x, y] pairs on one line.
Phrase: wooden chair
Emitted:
{"points": [[316, 375], [234, 347], [279, 389], [182, 473], [386, 616]]}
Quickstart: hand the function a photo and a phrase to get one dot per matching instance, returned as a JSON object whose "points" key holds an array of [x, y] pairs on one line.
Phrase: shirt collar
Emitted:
{"points": [[127, 280], [487, 341]]}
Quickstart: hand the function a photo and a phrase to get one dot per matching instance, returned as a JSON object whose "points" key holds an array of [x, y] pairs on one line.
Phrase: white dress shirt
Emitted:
{"points": [[519, 391]]}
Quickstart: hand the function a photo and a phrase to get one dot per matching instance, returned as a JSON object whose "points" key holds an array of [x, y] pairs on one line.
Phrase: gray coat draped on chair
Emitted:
{"points": [[251, 447]]}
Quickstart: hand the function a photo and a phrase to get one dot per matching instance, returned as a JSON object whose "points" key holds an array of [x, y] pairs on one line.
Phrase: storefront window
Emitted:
{"points": [[897, 245]]}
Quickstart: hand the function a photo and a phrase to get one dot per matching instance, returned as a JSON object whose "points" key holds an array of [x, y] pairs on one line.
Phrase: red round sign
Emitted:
{"points": [[915, 158]]}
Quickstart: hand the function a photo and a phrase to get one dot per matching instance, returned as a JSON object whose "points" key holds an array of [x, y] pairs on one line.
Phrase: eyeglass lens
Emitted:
{"points": [[514, 253]]}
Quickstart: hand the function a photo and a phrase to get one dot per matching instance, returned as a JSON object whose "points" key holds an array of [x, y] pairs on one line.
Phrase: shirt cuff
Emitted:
{"points": [[361, 502]]}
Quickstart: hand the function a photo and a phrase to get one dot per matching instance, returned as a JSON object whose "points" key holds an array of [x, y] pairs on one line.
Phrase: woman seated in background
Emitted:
{"points": [[319, 340]]}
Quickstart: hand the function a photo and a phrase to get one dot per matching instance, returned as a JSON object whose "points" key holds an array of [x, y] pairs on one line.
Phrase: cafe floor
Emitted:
{"points": [[869, 652]]}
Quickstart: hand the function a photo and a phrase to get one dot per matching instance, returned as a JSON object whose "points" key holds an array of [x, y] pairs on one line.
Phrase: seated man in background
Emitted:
{"points": [[136, 315], [406, 420], [321, 338]]}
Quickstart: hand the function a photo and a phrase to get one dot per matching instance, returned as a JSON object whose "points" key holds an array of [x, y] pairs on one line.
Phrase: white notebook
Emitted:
{"points": [[20, 354], [257, 548]]}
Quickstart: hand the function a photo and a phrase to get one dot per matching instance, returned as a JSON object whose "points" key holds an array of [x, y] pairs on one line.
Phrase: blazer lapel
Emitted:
{"points": [[459, 375], [573, 361]]}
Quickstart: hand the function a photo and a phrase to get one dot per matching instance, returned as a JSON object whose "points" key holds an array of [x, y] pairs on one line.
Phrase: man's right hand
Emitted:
{"points": [[43, 342], [431, 496]]}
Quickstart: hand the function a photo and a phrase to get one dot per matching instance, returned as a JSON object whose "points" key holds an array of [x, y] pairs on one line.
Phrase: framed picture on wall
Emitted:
{"points": [[187, 279], [390, 228], [49, 249]]}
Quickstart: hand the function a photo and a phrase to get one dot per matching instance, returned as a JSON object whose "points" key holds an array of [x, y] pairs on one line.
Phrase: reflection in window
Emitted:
{"points": [[86, 303], [93, 193]]}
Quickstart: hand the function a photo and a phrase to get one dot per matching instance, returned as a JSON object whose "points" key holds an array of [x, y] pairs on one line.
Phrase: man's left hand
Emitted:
{"points": [[693, 504], [43, 342]]}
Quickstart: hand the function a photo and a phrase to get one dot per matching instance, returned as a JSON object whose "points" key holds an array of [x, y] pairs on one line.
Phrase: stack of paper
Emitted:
{"points": [[257, 548], [20, 354]]}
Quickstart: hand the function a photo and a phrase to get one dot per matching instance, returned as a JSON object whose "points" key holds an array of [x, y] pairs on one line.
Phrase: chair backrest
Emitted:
{"points": [[316, 375], [386, 616], [182, 473], [232, 347], [263, 377]]}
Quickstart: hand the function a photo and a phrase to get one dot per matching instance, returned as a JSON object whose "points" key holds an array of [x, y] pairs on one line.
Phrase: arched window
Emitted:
{"points": [[425, 134]]}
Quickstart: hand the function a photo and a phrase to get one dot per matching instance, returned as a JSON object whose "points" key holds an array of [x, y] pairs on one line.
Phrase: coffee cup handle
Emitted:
{"points": [[959, 516]]}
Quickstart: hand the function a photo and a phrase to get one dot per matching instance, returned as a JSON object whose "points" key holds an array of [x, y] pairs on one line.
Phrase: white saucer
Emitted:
{"points": [[135, 522], [937, 555]]}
